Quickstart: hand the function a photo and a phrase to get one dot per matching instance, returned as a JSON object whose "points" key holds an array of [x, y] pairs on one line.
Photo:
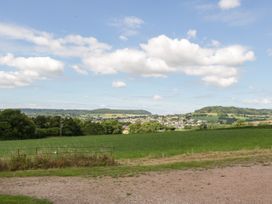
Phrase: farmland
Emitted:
{"points": [[156, 144], [141, 154]]}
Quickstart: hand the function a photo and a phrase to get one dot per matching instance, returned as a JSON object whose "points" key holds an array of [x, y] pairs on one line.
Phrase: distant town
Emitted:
{"points": [[205, 118]]}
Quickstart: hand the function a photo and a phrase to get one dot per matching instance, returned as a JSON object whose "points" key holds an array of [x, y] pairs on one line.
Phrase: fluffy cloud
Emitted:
{"points": [[118, 84], [162, 55], [191, 34], [69, 46], [228, 4], [27, 70], [35, 68], [159, 57]]}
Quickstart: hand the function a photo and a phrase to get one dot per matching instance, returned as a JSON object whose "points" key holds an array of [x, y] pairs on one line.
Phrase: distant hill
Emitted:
{"points": [[234, 110], [71, 112]]}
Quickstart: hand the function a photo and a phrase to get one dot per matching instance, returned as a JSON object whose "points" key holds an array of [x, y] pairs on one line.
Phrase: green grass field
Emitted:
{"points": [[156, 145], [11, 199]]}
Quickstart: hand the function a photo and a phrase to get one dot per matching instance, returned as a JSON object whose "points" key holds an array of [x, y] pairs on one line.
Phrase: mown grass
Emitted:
{"points": [[18, 199], [157, 144]]}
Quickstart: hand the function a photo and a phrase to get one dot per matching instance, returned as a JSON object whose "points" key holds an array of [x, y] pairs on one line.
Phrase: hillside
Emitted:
{"points": [[71, 112], [234, 110]]}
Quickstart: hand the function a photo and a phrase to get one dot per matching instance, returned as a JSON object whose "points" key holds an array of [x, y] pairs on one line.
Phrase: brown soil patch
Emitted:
{"points": [[227, 185]]}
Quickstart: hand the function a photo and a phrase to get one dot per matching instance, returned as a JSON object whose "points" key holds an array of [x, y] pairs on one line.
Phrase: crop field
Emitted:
{"points": [[151, 145]]}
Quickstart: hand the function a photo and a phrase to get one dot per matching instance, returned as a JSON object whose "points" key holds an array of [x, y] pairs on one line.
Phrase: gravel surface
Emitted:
{"points": [[228, 185]]}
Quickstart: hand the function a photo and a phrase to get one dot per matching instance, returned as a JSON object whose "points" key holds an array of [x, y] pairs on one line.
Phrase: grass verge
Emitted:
{"points": [[25, 162], [18, 199], [124, 170]]}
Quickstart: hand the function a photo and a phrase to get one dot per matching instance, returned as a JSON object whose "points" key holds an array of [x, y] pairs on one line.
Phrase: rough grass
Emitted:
{"points": [[24, 162], [157, 144], [121, 171], [17, 199]]}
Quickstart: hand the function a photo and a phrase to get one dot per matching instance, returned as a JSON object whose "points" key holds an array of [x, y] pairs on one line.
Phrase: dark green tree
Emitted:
{"points": [[91, 128], [70, 127], [16, 125], [112, 127]]}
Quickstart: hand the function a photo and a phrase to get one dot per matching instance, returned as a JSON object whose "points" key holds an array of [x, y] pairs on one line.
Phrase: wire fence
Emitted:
{"points": [[58, 150]]}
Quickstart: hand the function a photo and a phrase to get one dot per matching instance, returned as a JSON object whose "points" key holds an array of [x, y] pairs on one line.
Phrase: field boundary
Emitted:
{"points": [[58, 150]]}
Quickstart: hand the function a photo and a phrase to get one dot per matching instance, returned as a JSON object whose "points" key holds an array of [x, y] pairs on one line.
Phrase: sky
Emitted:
{"points": [[167, 57]]}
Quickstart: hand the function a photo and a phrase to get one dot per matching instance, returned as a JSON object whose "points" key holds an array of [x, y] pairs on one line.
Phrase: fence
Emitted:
{"points": [[59, 150]]}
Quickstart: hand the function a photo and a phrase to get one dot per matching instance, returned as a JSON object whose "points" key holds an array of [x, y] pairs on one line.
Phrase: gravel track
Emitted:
{"points": [[227, 185]]}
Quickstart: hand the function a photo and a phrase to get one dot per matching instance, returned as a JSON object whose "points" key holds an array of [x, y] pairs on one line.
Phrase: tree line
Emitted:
{"points": [[16, 125]]}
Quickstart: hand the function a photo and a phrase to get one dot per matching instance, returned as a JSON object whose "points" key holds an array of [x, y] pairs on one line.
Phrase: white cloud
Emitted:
{"points": [[162, 55], [80, 70], [215, 43], [128, 25], [159, 57], [132, 21], [123, 38], [26, 70], [157, 97], [228, 4], [259, 101], [232, 18], [118, 84], [70, 45], [191, 34]]}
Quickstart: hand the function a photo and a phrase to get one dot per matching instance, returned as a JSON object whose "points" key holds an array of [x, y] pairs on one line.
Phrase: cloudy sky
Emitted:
{"points": [[166, 57]]}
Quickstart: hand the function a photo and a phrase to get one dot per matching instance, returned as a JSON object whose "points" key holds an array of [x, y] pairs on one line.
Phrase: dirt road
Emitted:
{"points": [[228, 185]]}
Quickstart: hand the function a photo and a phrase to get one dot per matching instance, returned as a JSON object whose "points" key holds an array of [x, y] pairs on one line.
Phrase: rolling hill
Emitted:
{"points": [[74, 112], [234, 110]]}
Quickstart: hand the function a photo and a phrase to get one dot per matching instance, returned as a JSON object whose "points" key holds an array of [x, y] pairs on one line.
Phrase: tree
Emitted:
{"points": [[91, 128], [147, 127], [135, 128], [71, 127], [42, 121], [16, 125], [112, 127]]}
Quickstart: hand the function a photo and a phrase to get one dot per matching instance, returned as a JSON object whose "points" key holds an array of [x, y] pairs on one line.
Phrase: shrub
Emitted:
{"points": [[3, 165], [19, 162], [46, 161]]}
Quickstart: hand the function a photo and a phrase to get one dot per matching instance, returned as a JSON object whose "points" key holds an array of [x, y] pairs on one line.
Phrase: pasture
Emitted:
{"points": [[153, 145]]}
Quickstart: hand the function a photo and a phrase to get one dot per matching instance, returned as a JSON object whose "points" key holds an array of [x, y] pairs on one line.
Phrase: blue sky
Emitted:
{"points": [[169, 57]]}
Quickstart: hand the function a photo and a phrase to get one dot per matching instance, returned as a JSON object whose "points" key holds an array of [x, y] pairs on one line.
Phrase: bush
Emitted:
{"points": [[19, 162], [3, 165], [46, 161]]}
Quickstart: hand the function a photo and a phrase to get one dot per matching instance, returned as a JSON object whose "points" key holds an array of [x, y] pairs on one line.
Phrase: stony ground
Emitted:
{"points": [[228, 185]]}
